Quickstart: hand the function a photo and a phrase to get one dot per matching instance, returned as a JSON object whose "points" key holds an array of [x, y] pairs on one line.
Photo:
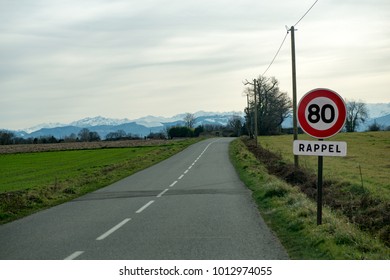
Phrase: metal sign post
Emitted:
{"points": [[321, 114], [319, 188]]}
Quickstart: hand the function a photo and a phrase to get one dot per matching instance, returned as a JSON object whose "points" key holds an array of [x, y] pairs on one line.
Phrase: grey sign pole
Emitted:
{"points": [[319, 189]]}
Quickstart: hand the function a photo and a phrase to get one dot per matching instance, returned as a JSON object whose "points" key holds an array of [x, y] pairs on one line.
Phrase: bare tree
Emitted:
{"points": [[189, 119], [249, 114], [357, 113], [94, 136], [6, 137], [71, 138], [84, 135], [273, 105], [235, 123]]}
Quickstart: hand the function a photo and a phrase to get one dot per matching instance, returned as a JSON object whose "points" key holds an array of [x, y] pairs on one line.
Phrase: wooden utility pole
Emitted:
{"points": [[256, 133], [256, 127], [249, 116], [294, 83]]}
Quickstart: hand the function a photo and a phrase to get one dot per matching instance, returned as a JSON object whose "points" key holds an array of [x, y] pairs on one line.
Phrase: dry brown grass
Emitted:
{"points": [[33, 148]]}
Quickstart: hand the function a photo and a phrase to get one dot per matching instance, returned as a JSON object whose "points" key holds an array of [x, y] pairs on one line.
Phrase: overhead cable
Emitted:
{"points": [[281, 45], [284, 39], [306, 13]]}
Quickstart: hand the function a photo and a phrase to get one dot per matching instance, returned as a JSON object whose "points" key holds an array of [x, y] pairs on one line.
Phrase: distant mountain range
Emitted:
{"points": [[141, 127], [379, 113]]}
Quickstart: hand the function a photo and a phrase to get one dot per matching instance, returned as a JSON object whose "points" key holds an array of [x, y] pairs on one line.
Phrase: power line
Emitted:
{"points": [[284, 39], [281, 45], [306, 13]]}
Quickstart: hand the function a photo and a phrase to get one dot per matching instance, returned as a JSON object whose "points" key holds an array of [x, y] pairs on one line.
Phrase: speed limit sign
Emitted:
{"points": [[321, 113]]}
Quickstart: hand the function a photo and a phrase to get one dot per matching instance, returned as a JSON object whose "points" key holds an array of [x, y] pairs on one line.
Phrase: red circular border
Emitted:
{"points": [[336, 98]]}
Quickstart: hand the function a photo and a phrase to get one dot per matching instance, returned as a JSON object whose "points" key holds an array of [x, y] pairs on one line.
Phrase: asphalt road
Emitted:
{"points": [[190, 206]]}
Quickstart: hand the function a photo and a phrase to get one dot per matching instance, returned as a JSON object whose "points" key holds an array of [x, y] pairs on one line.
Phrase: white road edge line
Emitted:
{"points": [[174, 183], [144, 207], [161, 194], [74, 255], [107, 233]]}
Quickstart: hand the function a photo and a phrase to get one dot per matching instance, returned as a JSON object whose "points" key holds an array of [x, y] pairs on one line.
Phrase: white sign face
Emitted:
{"points": [[320, 148], [321, 113]]}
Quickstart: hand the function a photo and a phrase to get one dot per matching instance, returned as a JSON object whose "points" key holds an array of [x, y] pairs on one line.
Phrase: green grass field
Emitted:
{"points": [[368, 158], [33, 181], [34, 170]]}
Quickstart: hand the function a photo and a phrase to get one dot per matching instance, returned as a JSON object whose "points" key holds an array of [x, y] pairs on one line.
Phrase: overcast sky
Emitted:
{"points": [[63, 60]]}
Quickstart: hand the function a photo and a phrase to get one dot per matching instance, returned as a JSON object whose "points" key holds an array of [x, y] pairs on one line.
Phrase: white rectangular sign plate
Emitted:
{"points": [[320, 148]]}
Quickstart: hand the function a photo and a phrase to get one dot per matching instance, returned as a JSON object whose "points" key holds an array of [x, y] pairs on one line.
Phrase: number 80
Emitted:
{"points": [[316, 113]]}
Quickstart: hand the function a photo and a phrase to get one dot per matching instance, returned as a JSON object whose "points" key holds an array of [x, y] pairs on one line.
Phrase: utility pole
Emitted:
{"points": [[256, 133], [256, 127], [249, 120], [294, 83]]}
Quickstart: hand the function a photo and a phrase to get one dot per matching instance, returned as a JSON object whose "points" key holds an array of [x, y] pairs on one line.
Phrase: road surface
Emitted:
{"points": [[190, 206]]}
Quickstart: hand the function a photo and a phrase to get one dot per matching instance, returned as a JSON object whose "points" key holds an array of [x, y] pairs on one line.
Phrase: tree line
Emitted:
{"points": [[85, 135], [233, 128]]}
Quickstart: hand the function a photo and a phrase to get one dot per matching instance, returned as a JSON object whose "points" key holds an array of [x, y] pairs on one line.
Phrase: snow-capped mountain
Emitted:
{"points": [[202, 117], [83, 123], [141, 126], [376, 110], [152, 121], [99, 120], [43, 125]]}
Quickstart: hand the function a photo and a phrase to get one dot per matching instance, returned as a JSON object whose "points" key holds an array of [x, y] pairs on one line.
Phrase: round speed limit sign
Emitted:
{"points": [[321, 113]]}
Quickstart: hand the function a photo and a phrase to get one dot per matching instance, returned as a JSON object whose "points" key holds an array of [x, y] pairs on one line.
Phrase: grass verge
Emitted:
{"points": [[364, 199], [292, 216], [30, 182]]}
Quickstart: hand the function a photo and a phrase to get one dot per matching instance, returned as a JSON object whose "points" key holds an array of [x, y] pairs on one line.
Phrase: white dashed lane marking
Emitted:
{"points": [[144, 207], [115, 228], [74, 255], [162, 193], [174, 183]]}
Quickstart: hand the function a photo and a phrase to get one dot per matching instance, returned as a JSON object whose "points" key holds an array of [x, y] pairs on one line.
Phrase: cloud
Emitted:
{"points": [[66, 59]]}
